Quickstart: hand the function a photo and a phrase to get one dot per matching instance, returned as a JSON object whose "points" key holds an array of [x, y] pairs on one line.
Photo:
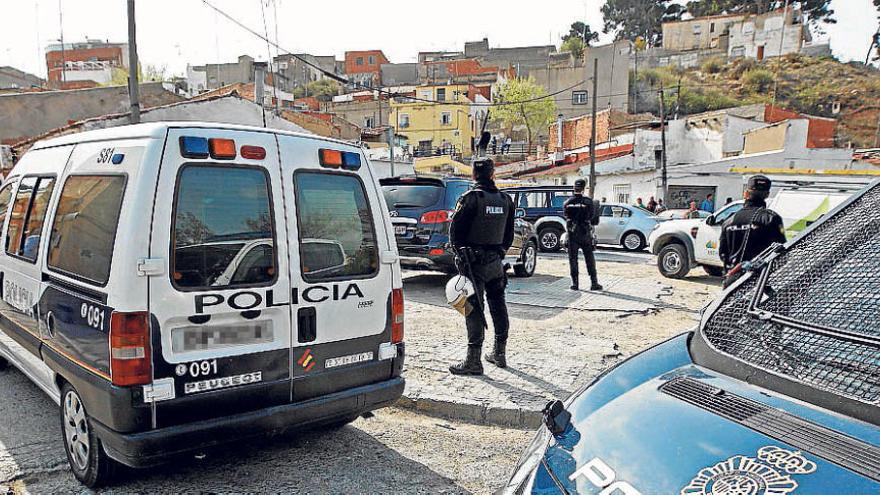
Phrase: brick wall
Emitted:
{"points": [[54, 59], [576, 132]]}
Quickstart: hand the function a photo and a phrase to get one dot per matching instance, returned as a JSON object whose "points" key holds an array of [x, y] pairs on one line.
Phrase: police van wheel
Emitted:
{"points": [[528, 262], [3, 363], [673, 261], [550, 239], [85, 453]]}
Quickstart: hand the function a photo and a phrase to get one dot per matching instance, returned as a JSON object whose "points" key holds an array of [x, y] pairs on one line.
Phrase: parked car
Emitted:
{"points": [[173, 287], [681, 214], [681, 245], [619, 224], [775, 392], [421, 210]]}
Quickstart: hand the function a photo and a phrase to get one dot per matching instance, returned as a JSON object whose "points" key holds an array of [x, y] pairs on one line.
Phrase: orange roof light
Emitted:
{"points": [[330, 158], [222, 149]]}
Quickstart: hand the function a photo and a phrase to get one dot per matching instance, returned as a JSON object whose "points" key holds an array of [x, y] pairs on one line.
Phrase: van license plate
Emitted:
{"points": [[345, 360], [400, 230]]}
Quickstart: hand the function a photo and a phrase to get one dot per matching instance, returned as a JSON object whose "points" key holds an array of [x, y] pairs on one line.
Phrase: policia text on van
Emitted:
{"points": [[174, 285]]}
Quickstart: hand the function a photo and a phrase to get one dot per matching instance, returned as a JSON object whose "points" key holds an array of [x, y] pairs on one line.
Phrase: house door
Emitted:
{"points": [[760, 53]]}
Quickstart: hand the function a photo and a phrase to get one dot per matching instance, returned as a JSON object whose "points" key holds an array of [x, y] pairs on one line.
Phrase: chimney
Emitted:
{"points": [[559, 132], [259, 82]]}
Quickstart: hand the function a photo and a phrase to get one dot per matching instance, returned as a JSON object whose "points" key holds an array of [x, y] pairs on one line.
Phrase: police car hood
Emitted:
{"points": [[646, 427]]}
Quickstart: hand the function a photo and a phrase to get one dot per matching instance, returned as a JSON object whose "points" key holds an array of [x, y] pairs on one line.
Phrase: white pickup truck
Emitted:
{"points": [[681, 245]]}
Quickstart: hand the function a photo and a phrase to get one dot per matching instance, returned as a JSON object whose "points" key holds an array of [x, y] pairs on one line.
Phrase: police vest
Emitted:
{"points": [[490, 220]]}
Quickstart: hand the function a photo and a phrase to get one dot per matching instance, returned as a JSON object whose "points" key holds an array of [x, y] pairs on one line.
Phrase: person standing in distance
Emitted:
{"points": [[580, 216], [750, 231], [482, 228]]}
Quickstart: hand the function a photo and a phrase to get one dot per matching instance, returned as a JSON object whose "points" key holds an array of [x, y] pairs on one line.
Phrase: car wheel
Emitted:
{"points": [[85, 453], [528, 262], [550, 239], [673, 261], [633, 241], [715, 271]]}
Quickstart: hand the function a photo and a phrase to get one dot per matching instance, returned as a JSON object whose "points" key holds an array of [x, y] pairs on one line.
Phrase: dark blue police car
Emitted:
{"points": [[776, 392]]}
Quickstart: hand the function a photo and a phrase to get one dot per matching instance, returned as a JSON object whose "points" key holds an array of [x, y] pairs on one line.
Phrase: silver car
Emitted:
{"points": [[626, 225]]}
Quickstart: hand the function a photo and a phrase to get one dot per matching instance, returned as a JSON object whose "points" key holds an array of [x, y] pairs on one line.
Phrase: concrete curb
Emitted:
{"points": [[473, 412]]}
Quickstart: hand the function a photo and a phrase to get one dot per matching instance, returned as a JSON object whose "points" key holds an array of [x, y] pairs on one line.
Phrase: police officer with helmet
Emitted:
{"points": [[481, 233], [750, 231], [581, 214]]}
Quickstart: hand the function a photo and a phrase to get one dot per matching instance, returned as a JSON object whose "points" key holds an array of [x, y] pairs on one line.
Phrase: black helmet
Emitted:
{"points": [[580, 185]]}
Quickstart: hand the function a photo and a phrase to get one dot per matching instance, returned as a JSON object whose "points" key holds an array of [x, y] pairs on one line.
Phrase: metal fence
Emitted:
{"points": [[813, 314]]}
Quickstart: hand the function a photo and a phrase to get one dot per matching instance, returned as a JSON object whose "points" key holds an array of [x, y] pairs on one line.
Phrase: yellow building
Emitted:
{"points": [[431, 126]]}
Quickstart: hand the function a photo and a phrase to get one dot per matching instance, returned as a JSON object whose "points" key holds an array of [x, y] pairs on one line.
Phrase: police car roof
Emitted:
{"points": [[158, 130]]}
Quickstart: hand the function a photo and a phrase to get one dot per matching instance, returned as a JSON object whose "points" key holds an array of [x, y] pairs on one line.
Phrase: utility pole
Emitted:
{"points": [[61, 35], [664, 186], [391, 148], [133, 94], [593, 129], [678, 100], [781, 46]]}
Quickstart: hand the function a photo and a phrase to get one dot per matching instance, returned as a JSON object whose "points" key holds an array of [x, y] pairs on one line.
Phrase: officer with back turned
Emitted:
{"points": [[750, 231], [581, 215], [481, 233]]}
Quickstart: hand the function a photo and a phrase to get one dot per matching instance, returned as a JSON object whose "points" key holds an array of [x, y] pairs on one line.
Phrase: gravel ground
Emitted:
{"points": [[395, 451]]}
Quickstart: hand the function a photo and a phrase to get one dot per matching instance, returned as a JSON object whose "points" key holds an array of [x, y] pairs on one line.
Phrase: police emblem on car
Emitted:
{"points": [[770, 473]]}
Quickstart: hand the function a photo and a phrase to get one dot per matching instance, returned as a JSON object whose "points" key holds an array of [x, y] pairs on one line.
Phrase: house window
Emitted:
{"points": [[712, 27], [738, 51], [698, 29], [403, 120], [578, 97], [446, 118], [621, 193], [441, 94], [359, 61], [372, 60], [369, 122]]}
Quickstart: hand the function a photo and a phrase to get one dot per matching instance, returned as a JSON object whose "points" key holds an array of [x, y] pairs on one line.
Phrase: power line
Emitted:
{"points": [[343, 80]]}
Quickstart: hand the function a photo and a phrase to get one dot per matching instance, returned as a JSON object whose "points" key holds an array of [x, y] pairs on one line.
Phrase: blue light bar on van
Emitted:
{"points": [[194, 147], [339, 159]]}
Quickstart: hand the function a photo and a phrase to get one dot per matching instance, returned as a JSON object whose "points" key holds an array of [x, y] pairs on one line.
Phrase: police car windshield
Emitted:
{"points": [[412, 196], [811, 313]]}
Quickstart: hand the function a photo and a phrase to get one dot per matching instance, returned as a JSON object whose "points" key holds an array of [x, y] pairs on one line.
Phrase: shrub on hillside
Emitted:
{"points": [[712, 65], [757, 81]]}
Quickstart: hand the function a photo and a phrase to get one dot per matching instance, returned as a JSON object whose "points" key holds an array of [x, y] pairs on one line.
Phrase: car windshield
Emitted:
{"points": [[411, 195], [811, 314]]}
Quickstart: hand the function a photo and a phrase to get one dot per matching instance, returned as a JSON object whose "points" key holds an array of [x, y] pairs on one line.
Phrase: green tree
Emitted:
{"points": [[525, 103], [323, 89], [817, 11], [581, 30], [631, 19], [149, 73], [574, 45]]}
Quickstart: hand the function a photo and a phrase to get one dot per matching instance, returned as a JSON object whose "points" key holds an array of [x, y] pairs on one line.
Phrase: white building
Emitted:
{"points": [[768, 35]]}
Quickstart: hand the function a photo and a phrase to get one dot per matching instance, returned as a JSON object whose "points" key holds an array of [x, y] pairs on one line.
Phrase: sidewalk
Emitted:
{"points": [[559, 341]]}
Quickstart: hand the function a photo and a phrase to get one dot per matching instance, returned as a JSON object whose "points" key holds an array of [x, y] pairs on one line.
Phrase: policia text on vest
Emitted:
{"points": [[482, 230]]}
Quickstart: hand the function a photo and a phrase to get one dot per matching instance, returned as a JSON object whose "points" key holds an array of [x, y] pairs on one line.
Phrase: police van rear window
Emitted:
{"points": [[337, 236], [84, 228], [223, 233]]}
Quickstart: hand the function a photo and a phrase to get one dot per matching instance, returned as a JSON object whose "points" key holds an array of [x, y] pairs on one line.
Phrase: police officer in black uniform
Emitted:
{"points": [[482, 229], [750, 231], [581, 214]]}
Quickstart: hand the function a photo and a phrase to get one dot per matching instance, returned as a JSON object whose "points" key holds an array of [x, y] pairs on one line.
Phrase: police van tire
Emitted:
{"points": [[715, 271], [673, 261], [550, 239], [528, 262], [3, 363], [85, 453]]}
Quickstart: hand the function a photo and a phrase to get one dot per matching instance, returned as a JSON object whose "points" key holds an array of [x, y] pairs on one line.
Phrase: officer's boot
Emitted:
{"points": [[594, 284], [497, 356], [471, 364], [574, 283]]}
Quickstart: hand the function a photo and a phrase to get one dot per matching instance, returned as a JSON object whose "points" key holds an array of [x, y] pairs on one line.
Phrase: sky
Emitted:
{"points": [[172, 33]]}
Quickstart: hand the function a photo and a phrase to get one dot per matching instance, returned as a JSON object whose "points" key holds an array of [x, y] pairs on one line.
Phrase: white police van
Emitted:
{"points": [[177, 285]]}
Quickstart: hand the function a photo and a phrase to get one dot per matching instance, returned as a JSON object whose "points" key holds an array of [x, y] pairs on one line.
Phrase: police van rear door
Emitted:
{"points": [[221, 305], [341, 262]]}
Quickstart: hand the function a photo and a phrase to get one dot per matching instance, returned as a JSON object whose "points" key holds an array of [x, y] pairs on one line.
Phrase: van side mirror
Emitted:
{"points": [[519, 213]]}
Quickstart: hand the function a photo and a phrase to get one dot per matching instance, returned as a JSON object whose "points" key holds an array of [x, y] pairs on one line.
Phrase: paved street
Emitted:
{"points": [[552, 351]]}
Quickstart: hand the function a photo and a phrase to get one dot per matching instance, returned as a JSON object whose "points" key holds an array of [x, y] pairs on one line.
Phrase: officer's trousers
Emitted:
{"points": [[586, 246], [491, 280]]}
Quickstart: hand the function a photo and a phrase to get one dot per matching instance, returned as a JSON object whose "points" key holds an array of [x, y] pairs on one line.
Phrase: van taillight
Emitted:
{"points": [[130, 362], [396, 316], [441, 216]]}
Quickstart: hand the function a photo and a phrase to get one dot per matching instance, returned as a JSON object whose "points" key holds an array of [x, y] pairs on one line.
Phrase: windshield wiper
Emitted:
{"points": [[407, 205]]}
